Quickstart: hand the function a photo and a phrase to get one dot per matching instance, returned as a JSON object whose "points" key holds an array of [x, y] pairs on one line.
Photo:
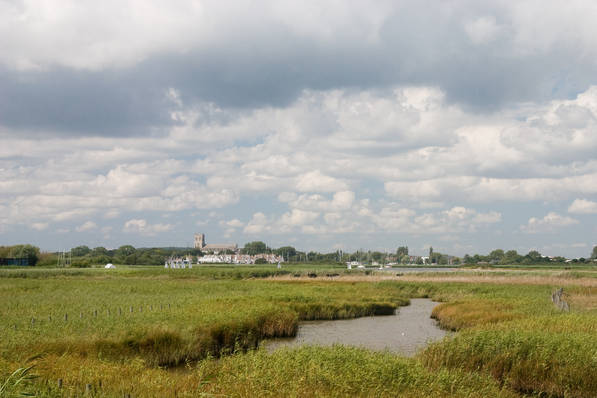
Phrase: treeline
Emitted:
{"points": [[289, 253], [83, 256], [502, 257], [19, 252], [363, 256]]}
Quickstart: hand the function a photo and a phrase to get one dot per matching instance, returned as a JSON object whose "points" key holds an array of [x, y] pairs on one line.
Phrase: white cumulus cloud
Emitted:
{"points": [[142, 227], [583, 206], [551, 222]]}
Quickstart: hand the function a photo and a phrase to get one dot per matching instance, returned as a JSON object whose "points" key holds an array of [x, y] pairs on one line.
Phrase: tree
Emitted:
{"points": [[253, 248], [496, 255], [124, 251], [430, 253], [286, 251], [99, 251], [402, 250], [80, 251], [30, 252], [377, 256], [594, 255], [533, 257], [511, 257]]}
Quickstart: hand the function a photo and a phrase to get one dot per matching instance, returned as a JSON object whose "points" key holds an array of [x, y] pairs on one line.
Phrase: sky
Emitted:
{"points": [[463, 125]]}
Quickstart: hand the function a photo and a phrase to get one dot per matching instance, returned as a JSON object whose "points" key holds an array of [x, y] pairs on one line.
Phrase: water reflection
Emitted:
{"points": [[407, 331]]}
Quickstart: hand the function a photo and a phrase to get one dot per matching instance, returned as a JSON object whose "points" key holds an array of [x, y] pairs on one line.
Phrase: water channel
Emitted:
{"points": [[410, 329]]}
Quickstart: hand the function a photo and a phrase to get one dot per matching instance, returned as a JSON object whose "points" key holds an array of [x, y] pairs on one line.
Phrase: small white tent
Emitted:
{"points": [[109, 265]]}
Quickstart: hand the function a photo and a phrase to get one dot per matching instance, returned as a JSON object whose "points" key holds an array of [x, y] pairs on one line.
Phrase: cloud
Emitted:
{"points": [[259, 224], [549, 223], [456, 219], [122, 71], [142, 227], [583, 206], [321, 119], [39, 226], [315, 181], [86, 226], [482, 30], [298, 217], [234, 223]]}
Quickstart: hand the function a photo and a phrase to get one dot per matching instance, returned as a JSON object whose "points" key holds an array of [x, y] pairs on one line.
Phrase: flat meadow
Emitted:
{"points": [[149, 331]]}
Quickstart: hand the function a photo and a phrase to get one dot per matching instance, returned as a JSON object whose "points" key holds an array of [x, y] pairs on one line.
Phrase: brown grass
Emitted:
{"points": [[458, 315], [585, 298], [458, 277]]}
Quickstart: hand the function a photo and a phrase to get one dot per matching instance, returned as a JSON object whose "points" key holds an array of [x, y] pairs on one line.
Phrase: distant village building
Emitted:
{"points": [[238, 258], [213, 247]]}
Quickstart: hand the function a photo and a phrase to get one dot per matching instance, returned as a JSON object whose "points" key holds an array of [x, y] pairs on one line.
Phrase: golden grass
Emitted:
{"points": [[305, 372], [584, 298], [457, 277], [459, 315]]}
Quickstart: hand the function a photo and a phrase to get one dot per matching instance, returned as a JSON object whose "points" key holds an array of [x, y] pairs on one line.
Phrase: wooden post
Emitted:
{"points": [[95, 313], [119, 311], [65, 317], [131, 308], [59, 383]]}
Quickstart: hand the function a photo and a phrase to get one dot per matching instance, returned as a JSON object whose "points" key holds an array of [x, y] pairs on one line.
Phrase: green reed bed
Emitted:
{"points": [[338, 372], [169, 321], [521, 339], [304, 372]]}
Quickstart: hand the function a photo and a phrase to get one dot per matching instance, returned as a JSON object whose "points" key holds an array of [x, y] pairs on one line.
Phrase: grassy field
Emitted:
{"points": [[148, 331]]}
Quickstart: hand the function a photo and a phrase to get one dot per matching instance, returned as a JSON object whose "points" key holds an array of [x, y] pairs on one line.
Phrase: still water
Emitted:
{"points": [[406, 332]]}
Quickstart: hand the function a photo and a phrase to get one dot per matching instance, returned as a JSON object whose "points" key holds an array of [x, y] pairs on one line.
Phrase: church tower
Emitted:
{"points": [[199, 241]]}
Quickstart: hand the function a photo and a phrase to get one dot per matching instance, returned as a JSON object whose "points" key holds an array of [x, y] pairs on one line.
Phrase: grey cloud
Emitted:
{"points": [[418, 43], [67, 101]]}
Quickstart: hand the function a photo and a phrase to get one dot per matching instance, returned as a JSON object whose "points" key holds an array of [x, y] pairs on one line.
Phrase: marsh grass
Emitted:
{"points": [[557, 364], [169, 322], [196, 333], [304, 372], [521, 341]]}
